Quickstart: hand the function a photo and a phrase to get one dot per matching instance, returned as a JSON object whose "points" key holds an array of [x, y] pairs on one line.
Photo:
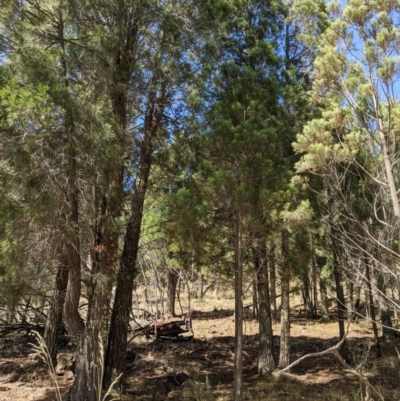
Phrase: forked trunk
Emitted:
{"points": [[115, 364]]}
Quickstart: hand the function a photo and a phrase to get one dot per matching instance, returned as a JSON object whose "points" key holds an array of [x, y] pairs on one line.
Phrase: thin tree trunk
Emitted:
{"points": [[349, 298], [314, 285], [284, 354], [238, 364], [371, 301], [255, 294], [272, 279], [367, 304], [266, 361], [324, 298], [308, 307], [115, 364], [171, 286], [336, 270]]}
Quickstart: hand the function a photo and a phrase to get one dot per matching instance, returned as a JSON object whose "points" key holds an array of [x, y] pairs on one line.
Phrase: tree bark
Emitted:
{"points": [[115, 364], [54, 317], [371, 301], [308, 306], [336, 269], [266, 360], [284, 354], [171, 287], [324, 298], [238, 364], [272, 279], [254, 285]]}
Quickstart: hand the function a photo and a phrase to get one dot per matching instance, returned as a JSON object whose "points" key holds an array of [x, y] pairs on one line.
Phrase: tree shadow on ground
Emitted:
{"points": [[182, 371]]}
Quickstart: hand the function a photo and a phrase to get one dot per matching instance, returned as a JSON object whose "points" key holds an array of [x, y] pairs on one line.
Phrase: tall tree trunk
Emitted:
{"points": [[340, 301], [255, 295], [238, 364], [324, 298], [308, 306], [54, 317], [266, 361], [171, 287], [272, 279], [72, 319], [92, 338], [371, 302], [314, 285], [284, 354], [115, 364]]}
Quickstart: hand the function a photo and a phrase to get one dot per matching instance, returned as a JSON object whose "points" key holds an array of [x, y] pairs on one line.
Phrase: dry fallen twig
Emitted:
{"points": [[335, 351]]}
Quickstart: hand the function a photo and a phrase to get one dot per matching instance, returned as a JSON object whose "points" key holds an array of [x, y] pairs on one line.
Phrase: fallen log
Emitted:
{"points": [[169, 330], [8, 328]]}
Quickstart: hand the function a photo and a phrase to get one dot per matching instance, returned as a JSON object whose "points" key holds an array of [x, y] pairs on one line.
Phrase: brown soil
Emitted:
{"points": [[202, 369]]}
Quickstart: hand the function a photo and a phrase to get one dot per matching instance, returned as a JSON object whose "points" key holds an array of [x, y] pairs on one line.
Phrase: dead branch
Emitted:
{"points": [[335, 351], [327, 351]]}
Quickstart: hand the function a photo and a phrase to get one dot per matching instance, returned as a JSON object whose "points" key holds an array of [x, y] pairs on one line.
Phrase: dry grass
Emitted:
{"points": [[202, 369]]}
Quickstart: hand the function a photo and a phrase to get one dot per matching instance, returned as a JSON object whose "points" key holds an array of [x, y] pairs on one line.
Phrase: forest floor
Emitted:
{"points": [[202, 369]]}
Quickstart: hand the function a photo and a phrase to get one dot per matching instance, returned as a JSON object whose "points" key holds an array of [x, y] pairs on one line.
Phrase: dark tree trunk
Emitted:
{"points": [[357, 297], [308, 306], [54, 317], [255, 294], [284, 354], [272, 279], [171, 287], [266, 361], [349, 298], [115, 364], [238, 364]]}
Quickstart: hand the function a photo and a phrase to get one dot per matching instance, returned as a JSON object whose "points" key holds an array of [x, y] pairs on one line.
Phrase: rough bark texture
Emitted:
{"points": [[266, 362], [171, 287], [92, 339], [255, 311], [238, 364], [115, 364], [284, 354], [272, 279], [54, 317], [340, 301], [308, 306]]}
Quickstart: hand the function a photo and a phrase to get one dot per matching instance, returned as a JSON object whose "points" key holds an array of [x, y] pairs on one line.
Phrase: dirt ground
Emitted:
{"points": [[202, 369]]}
